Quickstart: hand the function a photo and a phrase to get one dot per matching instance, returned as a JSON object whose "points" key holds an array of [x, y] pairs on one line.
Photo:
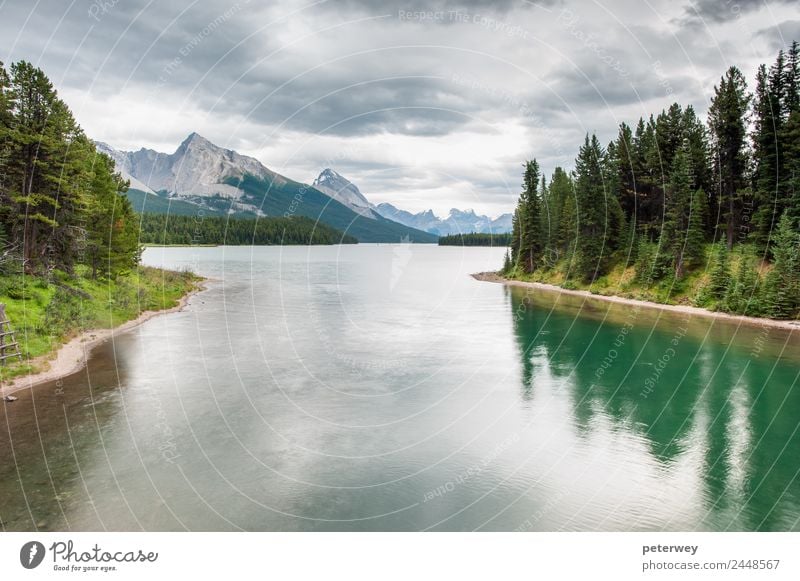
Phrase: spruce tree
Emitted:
{"points": [[593, 229], [532, 239], [720, 272], [742, 295], [727, 120], [684, 216], [112, 242], [516, 238], [568, 229], [782, 285]]}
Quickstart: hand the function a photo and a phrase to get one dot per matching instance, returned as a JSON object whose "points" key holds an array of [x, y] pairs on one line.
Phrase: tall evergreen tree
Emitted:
{"points": [[45, 173], [727, 120], [782, 285], [683, 222], [55, 202], [112, 239], [530, 218], [593, 211], [720, 272]]}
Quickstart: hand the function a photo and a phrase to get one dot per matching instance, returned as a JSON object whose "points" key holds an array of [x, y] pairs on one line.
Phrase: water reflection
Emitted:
{"points": [[306, 391], [689, 414]]}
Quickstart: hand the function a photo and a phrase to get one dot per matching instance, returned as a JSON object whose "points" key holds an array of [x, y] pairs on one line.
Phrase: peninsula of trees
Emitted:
{"points": [[677, 210], [170, 229], [476, 239]]}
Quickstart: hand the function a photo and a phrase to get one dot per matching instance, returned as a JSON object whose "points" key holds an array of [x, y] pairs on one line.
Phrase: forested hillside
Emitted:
{"points": [[61, 203], [168, 229], [677, 210], [70, 238]]}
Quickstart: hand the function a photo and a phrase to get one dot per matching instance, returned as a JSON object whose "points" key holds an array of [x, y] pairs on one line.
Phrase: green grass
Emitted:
{"points": [[46, 313], [621, 281], [692, 289]]}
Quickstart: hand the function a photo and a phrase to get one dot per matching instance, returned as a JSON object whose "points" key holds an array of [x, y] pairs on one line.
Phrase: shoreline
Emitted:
{"points": [[73, 355], [790, 325]]}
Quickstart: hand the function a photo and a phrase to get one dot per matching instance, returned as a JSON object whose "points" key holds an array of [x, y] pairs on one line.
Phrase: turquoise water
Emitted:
{"points": [[380, 387]]}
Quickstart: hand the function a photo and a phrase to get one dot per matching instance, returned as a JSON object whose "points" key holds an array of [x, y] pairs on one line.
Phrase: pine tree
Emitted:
{"points": [[532, 239], [720, 273], [793, 78], [516, 238], [695, 139], [792, 162], [45, 169], [742, 295], [112, 244], [626, 169], [568, 229], [646, 253], [52, 197], [684, 217], [791, 135], [782, 285], [727, 120], [507, 264], [595, 211], [695, 232]]}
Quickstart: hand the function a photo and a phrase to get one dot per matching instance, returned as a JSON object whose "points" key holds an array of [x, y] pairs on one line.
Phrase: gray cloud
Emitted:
{"points": [[781, 35], [714, 11], [300, 83], [393, 6]]}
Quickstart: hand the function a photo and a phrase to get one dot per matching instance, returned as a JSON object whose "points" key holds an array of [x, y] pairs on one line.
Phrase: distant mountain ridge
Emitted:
{"points": [[457, 222]]}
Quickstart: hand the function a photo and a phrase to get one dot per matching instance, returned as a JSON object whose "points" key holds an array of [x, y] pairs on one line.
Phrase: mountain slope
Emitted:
{"points": [[218, 180], [287, 197], [196, 168], [345, 192]]}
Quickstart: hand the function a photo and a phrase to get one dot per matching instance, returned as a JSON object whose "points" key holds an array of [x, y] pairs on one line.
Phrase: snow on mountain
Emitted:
{"points": [[196, 168], [344, 191], [122, 165], [457, 221]]}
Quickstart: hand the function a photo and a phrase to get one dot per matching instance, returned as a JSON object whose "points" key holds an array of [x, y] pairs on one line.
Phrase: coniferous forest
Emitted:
{"points": [[678, 210], [61, 203], [475, 239], [175, 229]]}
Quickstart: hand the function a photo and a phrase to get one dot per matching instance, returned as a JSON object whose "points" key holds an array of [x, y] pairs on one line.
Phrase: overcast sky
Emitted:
{"points": [[425, 104]]}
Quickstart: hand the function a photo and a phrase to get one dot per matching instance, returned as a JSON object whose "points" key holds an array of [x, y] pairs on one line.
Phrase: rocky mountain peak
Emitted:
{"points": [[333, 184], [197, 167]]}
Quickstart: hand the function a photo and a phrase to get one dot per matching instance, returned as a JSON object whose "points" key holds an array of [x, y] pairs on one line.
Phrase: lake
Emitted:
{"points": [[380, 387]]}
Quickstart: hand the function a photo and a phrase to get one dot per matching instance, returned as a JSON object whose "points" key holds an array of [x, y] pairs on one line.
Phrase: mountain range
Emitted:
{"points": [[201, 178], [200, 175], [457, 222]]}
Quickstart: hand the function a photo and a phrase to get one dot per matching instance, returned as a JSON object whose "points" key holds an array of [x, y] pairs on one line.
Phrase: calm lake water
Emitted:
{"points": [[379, 387]]}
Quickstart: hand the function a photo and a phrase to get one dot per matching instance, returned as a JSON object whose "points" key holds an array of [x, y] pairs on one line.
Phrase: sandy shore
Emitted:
{"points": [[682, 309], [72, 356]]}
